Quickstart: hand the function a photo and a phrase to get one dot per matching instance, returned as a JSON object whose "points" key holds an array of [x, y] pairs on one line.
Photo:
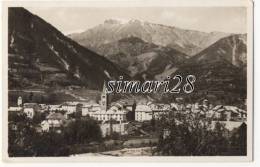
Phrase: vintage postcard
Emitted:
{"points": [[128, 81]]}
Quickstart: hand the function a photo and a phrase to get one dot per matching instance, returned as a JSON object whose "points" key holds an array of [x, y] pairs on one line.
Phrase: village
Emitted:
{"points": [[117, 117]]}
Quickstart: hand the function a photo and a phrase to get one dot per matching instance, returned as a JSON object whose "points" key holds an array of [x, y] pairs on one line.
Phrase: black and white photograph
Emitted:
{"points": [[128, 81]]}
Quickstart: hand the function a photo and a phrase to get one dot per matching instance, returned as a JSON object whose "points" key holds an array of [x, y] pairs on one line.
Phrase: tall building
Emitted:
{"points": [[104, 98], [19, 101]]}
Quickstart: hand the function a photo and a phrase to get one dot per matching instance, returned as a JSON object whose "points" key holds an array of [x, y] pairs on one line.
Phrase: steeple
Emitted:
{"points": [[104, 98], [19, 101]]}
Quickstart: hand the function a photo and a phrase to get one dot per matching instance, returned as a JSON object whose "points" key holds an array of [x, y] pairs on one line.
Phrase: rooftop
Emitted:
{"points": [[56, 116]]}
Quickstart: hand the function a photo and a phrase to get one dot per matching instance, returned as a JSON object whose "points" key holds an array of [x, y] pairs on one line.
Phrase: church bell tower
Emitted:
{"points": [[104, 98]]}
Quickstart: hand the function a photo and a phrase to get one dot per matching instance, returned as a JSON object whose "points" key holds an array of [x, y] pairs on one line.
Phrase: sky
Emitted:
{"points": [[207, 19]]}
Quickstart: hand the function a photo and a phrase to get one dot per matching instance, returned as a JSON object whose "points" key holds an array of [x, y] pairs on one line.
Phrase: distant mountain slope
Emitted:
{"points": [[220, 67], [189, 42], [40, 56], [141, 59], [232, 48]]}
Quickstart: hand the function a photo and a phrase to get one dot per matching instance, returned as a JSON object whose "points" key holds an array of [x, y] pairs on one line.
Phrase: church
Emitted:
{"points": [[114, 112]]}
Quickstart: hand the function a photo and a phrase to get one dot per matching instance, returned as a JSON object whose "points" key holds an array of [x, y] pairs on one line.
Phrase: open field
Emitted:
{"points": [[142, 151]]}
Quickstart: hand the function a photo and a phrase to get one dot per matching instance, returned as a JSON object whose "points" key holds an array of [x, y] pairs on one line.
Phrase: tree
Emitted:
{"points": [[239, 140], [190, 135], [20, 135], [23, 140], [38, 118], [115, 136], [153, 124], [31, 97], [82, 131], [42, 100], [50, 144]]}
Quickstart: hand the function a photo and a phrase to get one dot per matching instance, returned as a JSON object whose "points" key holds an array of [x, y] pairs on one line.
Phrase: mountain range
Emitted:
{"points": [[220, 67], [189, 42], [142, 59], [41, 56]]}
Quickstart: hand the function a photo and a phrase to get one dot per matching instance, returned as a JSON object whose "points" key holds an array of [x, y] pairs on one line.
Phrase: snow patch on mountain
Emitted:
{"points": [[189, 42], [107, 74], [77, 73], [66, 43], [66, 65]]}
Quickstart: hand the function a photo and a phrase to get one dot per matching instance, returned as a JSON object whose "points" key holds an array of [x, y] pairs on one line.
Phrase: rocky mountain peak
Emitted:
{"points": [[112, 21], [189, 42]]}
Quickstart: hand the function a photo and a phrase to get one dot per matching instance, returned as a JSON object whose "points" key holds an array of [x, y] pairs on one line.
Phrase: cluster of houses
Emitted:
{"points": [[121, 112]]}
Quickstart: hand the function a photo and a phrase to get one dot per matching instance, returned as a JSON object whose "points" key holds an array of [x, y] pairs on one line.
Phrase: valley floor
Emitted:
{"points": [[141, 151]]}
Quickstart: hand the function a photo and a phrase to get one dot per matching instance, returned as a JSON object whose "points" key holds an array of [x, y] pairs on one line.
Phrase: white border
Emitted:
{"points": [[135, 3]]}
